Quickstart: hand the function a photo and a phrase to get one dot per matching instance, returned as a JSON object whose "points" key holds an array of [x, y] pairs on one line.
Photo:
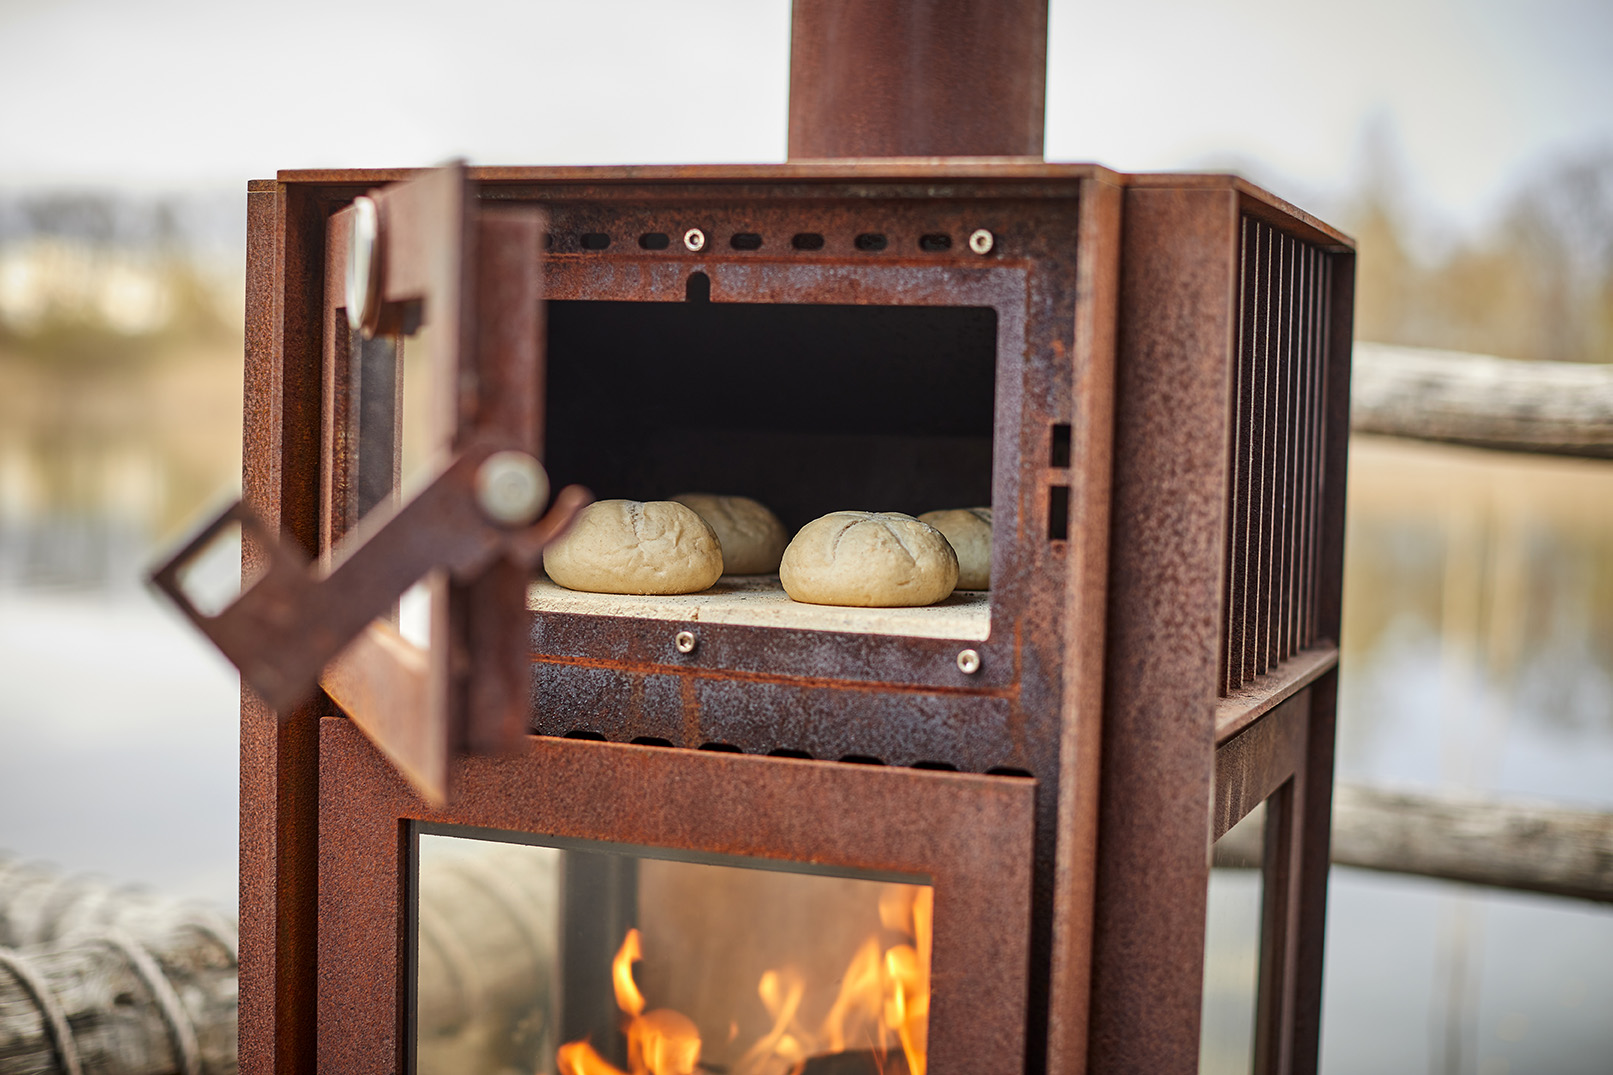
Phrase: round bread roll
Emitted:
{"points": [[969, 532], [624, 546], [870, 559], [752, 538]]}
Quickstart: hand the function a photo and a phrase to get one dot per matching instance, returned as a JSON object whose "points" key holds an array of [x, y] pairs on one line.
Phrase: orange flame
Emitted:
{"points": [[659, 1042], [883, 1002], [628, 998]]}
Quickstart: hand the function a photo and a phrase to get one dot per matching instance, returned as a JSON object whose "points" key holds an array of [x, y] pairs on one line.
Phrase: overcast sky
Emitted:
{"points": [[183, 94]]}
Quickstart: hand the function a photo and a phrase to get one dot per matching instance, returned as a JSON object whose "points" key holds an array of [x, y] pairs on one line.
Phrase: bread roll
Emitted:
{"points": [[870, 559], [752, 538], [968, 530], [624, 546]]}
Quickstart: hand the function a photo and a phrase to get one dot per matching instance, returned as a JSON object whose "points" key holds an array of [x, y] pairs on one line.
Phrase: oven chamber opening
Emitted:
{"points": [[581, 958], [807, 408]]}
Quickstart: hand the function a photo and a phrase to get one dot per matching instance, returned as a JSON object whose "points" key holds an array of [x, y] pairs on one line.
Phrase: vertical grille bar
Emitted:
{"points": [[1294, 455], [1237, 575], [1275, 472], [1283, 458]]}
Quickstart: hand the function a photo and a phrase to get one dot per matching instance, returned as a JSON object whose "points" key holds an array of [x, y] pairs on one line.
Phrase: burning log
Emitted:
{"points": [[861, 1062]]}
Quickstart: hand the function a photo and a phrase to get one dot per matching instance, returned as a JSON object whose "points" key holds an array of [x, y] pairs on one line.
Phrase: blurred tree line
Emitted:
{"points": [[120, 382], [1537, 286]]}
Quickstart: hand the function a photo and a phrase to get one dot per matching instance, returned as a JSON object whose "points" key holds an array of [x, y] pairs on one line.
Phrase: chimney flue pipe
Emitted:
{"points": [[917, 78]]}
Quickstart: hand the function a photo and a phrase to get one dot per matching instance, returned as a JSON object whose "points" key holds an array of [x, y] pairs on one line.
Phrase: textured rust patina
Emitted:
{"points": [[970, 836], [941, 78], [1115, 307]]}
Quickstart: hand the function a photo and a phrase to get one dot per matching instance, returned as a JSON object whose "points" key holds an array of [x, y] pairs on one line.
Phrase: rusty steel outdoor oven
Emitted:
{"points": [[1145, 377]]}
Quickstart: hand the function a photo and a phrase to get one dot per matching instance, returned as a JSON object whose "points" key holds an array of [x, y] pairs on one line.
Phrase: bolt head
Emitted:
{"points": [[694, 239], [981, 241], [968, 662], [511, 488], [684, 641]]}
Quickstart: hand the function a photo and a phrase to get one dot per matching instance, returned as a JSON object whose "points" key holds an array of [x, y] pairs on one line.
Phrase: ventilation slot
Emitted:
{"points": [[807, 240], [935, 243], [1058, 513], [584, 733], [595, 240], [870, 241], [721, 748], [1060, 454], [1274, 500], [651, 741], [655, 240], [746, 240]]}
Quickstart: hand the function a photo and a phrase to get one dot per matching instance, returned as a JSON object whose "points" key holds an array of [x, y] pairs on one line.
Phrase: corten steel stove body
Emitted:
{"points": [[1166, 360]]}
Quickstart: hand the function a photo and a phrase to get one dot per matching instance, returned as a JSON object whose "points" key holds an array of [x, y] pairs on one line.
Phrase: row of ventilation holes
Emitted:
{"points": [[849, 759], [868, 242]]}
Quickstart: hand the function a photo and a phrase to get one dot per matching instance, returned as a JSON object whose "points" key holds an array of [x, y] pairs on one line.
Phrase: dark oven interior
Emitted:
{"points": [[807, 408]]}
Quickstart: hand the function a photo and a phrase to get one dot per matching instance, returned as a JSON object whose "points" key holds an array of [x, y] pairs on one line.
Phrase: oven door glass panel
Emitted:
{"points": [[589, 959]]}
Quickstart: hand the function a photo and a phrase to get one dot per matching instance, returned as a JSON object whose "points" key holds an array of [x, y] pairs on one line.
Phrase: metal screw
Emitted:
{"points": [[511, 488], [981, 241], [363, 291], [968, 662], [684, 640], [694, 239]]}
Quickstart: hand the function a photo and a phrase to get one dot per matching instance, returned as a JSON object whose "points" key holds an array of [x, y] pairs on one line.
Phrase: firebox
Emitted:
{"points": [[728, 832]]}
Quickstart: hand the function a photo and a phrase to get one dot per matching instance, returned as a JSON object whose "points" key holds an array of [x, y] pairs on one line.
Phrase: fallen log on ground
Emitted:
{"points": [[1514, 844]]}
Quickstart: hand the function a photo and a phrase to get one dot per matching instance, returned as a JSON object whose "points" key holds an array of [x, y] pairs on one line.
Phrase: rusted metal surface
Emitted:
{"points": [[1179, 277], [943, 78], [1253, 764], [971, 835], [1071, 633], [1236, 711], [1317, 786], [1069, 947], [279, 759]]}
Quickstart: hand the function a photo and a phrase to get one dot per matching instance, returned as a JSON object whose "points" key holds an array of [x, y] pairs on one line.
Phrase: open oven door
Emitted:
{"points": [[421, 251]]}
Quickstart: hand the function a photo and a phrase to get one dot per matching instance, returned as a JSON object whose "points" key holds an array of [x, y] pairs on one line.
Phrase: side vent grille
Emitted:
{"points": [[1277, 452]]}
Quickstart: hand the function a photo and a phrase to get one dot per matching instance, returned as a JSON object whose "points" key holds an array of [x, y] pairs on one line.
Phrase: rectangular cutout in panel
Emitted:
{"points": [[1058, 513], [807, 408], [1060, 454]]}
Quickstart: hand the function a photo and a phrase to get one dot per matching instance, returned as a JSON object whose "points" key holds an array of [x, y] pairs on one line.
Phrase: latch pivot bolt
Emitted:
{"points": [[511, 488], [968, 661]]}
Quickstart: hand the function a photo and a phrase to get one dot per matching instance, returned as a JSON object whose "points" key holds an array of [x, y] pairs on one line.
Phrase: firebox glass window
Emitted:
{"points": [[576, 958], [807, 408]]}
